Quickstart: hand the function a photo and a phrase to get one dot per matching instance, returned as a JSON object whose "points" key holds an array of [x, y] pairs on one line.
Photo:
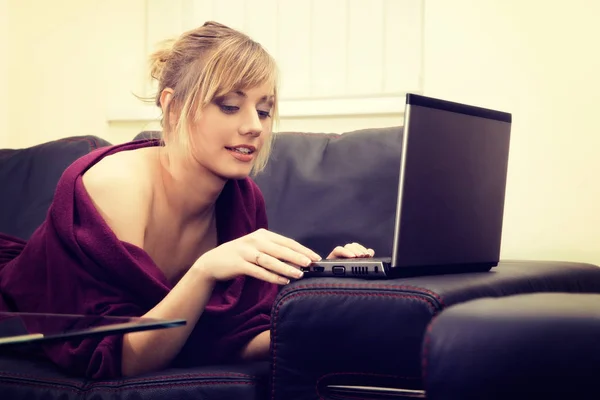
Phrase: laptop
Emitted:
{"points": [[451, 190]]}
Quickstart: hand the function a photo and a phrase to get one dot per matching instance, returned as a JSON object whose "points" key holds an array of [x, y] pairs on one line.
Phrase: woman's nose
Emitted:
{"points": [[251, 125]]}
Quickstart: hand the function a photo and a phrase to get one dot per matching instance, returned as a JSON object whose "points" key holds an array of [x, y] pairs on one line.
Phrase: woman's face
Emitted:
{"points": [[232, 130]]}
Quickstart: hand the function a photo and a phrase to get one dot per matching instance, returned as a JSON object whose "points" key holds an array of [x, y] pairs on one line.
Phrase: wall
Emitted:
{"points": [[337, 58], [539, 60], [536, 59], [61, 60], [4, 49], [73, 62]]}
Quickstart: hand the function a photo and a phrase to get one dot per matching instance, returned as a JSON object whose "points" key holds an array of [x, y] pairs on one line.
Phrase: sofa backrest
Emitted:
{"points": [[325, 190], [28, 179]]}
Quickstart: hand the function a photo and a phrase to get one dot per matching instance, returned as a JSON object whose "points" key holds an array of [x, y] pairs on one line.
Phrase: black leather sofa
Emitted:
{"points": [[530, 346], [327, 333]]}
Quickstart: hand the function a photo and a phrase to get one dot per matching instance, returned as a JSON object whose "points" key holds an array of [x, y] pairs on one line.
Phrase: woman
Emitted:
{"points": [[171, 229]]}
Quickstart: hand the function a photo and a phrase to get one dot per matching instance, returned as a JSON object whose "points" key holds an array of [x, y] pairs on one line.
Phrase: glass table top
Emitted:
{"points": [[26, 328]]}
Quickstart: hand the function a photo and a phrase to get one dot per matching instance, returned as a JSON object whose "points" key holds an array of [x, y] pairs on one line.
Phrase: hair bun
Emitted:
{"points": [[159, 57]]}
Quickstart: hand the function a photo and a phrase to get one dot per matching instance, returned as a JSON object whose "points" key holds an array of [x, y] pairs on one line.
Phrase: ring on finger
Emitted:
{"points": [[257, 258]]}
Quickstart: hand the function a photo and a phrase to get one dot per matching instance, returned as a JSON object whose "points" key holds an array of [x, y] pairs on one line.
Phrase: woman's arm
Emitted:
{"points": [[152, 350], [258, 348], [261, 254], [125, 208]]}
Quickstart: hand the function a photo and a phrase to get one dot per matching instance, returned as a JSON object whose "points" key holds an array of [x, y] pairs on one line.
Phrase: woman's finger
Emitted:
{"points": [[361, 250], [357, 249], [263, 274], [291, 244], [341, 252], [272, 263], [285, 254]]}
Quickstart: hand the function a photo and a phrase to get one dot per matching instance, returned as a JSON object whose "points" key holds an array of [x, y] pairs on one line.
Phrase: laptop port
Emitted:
{"points": [[318, 269], [339, 270]]}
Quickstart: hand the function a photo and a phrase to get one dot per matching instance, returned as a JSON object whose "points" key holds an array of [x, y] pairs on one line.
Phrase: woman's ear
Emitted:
{"points": [[165, 98]]}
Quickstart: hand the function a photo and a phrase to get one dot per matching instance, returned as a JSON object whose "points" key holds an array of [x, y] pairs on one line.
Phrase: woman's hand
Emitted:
{"points": [[351, 250], [262, 254]]}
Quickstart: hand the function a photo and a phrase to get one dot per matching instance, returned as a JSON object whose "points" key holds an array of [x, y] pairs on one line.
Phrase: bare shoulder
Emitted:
{"points": [[120, 186]]}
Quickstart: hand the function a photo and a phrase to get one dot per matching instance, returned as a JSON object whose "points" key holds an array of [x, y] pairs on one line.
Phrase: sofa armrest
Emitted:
{"points": [[520, 347], [345, 331]]}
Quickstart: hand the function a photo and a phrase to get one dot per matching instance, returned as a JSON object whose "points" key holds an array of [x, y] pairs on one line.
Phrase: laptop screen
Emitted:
{"points": [[453, 182]]}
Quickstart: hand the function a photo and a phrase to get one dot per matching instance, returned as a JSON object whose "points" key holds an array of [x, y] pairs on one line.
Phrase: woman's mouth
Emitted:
{"points": [[244, 153]]}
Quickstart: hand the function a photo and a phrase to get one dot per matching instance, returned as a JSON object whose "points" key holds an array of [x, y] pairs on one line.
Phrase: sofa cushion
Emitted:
{"points": [[528, 346], [326, 190], [28, 178], [36, 379]]}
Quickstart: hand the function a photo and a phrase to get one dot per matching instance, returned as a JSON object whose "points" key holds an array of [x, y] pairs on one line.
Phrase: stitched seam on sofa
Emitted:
{"points": [[40, 385], [426, 349], [172, 377], [123, 389], [284, 299], [93, 144], [124, 381], [362, 286], [357, 374], [165, 385], [150, 383]]}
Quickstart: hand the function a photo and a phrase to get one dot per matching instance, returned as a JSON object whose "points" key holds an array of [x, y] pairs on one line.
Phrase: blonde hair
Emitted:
{"points": [[203, 64]]}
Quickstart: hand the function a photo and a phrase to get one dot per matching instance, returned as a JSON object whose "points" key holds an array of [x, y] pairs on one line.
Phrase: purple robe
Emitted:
{"points": [[74, 264]]}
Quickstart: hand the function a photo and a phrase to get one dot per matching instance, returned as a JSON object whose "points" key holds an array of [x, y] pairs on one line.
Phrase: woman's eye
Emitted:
{"points": [[264, 114], [228, 109]]}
